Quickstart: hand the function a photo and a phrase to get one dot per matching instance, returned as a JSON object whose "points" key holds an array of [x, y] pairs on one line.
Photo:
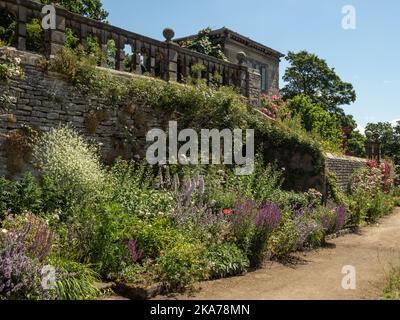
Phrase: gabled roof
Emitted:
{"points": [[224, 32]]}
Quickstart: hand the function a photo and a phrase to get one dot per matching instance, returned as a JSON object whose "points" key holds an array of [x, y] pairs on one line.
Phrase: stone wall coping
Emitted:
{"points": [[342, 157]]}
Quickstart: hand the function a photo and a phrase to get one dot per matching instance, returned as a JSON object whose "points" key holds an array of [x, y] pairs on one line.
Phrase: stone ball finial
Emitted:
{"points": [[241, 57], [168, 34]]}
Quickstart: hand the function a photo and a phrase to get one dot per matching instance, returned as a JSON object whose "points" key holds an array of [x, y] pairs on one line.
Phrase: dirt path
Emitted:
{"points": [[319, 275]]}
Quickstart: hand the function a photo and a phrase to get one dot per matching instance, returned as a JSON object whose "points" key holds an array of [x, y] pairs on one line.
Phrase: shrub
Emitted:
{"points": [[268, 219], [20, 269], [242, 221], [21, 196], [155, 236], [260, 185], [285, 240], [101, 236], [252, 228], [288, 199], [311, 233], [10, 67], [70, 163], [139, 275], [132, 186], [75, 281], [370, 193], [183, 265], [332, 221], [226, 260]]}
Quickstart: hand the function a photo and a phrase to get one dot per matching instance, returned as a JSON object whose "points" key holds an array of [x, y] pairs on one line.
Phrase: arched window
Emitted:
{"points": [[129, 58]]}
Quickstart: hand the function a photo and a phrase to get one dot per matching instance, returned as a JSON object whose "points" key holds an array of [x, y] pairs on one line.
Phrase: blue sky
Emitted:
{"points": [[368, 56]]}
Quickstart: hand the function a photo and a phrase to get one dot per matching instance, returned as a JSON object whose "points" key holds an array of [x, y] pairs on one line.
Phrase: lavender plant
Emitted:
{"points": [[20, 274]]}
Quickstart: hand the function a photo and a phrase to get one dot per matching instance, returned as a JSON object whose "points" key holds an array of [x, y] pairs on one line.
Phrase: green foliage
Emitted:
{"points": [[71, 39], [73, 165], [389, 136], [335, 193], [76, 281], [10, 67], [311, 76], [182, 265], [203, 44], [7, 28], [226, 260], [155, 236], [101, 235], [356, 144], [260, 185], [88, 8], [26, 195], [288, 199], [371, 197], [141, 275], [34, 36], [315, 119], [392, 288], [20, 196], [133, 188], [284, 240]]}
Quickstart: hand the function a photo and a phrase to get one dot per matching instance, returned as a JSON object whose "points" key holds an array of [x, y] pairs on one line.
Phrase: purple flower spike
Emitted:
{"points": [[269, 217], [134, 250]]}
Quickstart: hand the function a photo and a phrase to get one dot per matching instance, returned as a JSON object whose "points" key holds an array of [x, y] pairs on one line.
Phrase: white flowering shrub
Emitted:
{"points": [[9, 69], [72, 165], [10, 66]]}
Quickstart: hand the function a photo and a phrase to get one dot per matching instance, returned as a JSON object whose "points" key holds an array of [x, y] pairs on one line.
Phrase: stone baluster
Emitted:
{"points": [[119, 56], [172, 65], [21, 28], [57, 36], [137, 53]]}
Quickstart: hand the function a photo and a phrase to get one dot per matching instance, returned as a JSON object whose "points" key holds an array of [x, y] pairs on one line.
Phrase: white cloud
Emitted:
{"points": [[394, 122], [361, 129]]}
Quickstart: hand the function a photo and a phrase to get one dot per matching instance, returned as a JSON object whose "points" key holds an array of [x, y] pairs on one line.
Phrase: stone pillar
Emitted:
{"points": [[243, 74], [172, 72], [56, 37], [172, 65], [21, 28], [119, 55], [254, 86]]}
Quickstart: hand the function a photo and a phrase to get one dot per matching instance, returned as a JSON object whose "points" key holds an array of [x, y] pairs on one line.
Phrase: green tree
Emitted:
{"points": [[356, 144], [88, 8], [310, 75], [315, 119], [389, 136], [203, 44]]}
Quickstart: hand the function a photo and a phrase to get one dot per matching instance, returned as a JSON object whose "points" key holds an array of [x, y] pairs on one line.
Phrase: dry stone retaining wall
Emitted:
{"points": [[343, 167]]}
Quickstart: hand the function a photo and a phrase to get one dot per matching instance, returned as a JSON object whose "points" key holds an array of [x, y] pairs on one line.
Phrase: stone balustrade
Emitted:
{"points": [[165, 60]]}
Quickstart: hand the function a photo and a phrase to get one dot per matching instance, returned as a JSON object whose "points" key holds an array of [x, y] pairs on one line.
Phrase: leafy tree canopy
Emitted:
{"points": [[310, 75], [88, 8], [315, 118]]}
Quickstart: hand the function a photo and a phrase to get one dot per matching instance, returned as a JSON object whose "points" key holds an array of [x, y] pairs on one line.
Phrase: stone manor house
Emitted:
{"points": [[258, 56]]}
